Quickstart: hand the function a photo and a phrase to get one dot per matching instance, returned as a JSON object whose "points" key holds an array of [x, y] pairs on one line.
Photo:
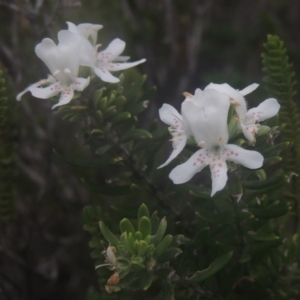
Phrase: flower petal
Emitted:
{"points": [[218, 169], [65, 97], [105, 75], [47, 52], [263, 111], [34, 85], [47, 92], [250, 131], [81, 83], [89, 30], [249, 89], [115, 66], [69, 51], [114, 49], [178, 144], [169, 115], [122, 58], [247, 158], [233, 94], [207, 117], [187, 170]]}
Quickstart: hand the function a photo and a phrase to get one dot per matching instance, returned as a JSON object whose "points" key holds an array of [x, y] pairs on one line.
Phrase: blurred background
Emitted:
{"points": [[44, 251]]}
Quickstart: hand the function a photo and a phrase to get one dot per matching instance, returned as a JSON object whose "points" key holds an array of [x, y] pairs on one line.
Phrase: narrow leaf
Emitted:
{"points": [[109, 236], [213, 268]]}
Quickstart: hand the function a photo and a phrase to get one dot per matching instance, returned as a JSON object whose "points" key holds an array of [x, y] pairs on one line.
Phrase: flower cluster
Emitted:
{"points": [[76, 47], [204, 117]]}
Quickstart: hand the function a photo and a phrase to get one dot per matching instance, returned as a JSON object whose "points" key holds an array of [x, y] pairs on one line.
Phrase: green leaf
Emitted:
{"points": [[145, 226], [180, 239], [147, 280], [108, 235], [97, 97], [169, 255], [126, 226], [143, 212], [274, 150], [262, 236], [95, 242], [136, 134], [155, 239], [154, 222], [213, 268], [138, 107], [272, 181], [149, 94], [142, 248], [272, 160], [261, 248], [270, 212], [138, 236], [134, 89], [123, 116], [131, 243], [96, 253], [163, 245]]}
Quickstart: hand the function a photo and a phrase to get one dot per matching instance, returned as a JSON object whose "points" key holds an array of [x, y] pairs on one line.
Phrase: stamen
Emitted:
{"points": [[234, 102], [201, 143], [104, 265], [187, 95], [56, 72]]}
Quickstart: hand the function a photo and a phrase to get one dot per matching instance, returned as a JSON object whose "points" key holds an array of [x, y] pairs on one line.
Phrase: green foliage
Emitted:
{"points": [[138, 257], [280, 83], [110, 115], [7, 149]]}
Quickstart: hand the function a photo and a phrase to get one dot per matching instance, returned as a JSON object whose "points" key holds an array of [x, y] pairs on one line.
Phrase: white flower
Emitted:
{"points": [[86, 30], [207, 114], [63, 62], [179, 130], [106, 61], [103, 62], [248, 119]]}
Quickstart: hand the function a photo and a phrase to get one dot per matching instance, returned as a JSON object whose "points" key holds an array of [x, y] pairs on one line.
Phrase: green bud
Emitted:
{"points": [[126, 226], [143, 212], [138, 236]]}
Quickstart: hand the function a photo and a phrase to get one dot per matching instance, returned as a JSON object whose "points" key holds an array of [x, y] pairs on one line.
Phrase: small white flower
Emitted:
{"points": [[63, 62], [109, 60], [178, 129], [206, 114], [103, 62], [248, 119]]}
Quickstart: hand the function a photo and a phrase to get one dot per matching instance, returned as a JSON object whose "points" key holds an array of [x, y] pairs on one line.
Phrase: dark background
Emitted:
{"points": [[44, 251]]}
